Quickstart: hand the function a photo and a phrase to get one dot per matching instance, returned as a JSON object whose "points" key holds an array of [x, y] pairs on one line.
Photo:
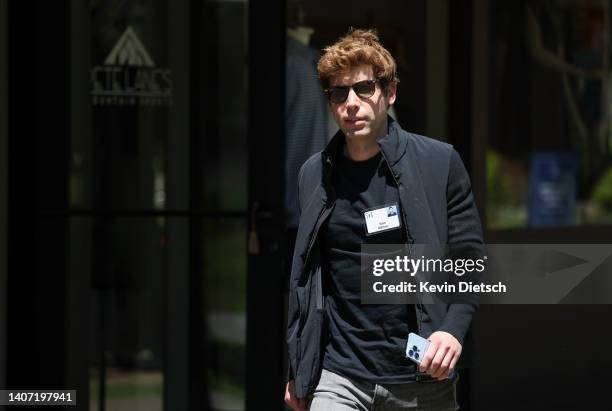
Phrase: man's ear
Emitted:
{"points": [[391, 93]]}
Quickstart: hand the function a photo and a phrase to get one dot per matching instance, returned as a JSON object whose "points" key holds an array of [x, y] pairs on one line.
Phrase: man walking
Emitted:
{"points": [[344, 355]]}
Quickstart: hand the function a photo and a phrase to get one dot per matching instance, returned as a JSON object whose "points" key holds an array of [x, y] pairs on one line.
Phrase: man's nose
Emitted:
{"points": [[352, 100]]}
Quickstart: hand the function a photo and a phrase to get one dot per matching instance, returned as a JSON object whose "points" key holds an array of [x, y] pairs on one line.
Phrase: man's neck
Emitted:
{"points": [[365, 148]]}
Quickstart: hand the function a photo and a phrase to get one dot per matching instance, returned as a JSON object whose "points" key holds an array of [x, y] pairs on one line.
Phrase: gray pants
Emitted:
{"points": [[337, 393]]}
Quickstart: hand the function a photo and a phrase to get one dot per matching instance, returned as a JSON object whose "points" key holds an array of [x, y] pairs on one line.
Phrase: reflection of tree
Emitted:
{"points": [[580, 65], [602, 192]]}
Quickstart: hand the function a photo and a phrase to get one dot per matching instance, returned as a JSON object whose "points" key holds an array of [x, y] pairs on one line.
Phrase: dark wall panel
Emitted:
{"points": [[3, 183], [38, 134], [266, 179]]}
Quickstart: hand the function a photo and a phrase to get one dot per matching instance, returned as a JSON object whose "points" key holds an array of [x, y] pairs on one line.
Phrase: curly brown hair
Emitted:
{"points": [[358, 47]]}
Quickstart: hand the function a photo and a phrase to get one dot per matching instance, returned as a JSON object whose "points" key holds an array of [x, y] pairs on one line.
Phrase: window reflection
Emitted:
{"points": [[221, 143], [550, 148], [224, 272], [131, 88], [221, 88], [128, 277]]}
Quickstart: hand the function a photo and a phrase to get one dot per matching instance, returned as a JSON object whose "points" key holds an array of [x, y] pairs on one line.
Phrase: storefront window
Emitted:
{"points": [[128, 279], [224, 293], [119, 176], [163, 181], [220, 84], [549, 157]]}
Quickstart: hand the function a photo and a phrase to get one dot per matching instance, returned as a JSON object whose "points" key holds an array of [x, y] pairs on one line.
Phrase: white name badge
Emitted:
{"points": [[381, 219]]}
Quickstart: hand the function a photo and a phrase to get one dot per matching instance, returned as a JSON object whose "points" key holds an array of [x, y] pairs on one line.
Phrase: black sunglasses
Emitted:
{"points": [[339, 94]]}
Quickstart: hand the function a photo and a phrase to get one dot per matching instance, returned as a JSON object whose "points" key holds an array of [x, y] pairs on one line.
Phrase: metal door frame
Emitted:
{"points": [[265, 336], [3, 183]]}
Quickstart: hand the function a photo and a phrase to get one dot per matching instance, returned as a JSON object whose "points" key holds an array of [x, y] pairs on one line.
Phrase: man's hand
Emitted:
{"points": [[442, 355], [296, 404]]}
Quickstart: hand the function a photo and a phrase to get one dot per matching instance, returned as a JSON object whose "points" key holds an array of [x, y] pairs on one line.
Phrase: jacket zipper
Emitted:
{"points": [[319, 274], [324, 210], [409, 238], [323, 214], [314, 236]]}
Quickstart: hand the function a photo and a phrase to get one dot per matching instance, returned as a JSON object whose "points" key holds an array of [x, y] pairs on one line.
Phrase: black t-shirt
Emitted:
{"points": [[366, 342]]}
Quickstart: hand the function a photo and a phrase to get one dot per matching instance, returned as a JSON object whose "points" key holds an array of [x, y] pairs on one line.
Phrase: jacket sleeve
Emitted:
{"points": [[465, 234], [293, 312]]}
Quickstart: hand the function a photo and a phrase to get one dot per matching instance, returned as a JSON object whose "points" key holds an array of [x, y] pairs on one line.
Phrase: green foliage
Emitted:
{"points": [[602, 192], [494, 177]]}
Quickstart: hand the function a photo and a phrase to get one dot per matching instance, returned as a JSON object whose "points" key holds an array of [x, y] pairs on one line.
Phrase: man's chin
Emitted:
{"points": [[356, 132]]}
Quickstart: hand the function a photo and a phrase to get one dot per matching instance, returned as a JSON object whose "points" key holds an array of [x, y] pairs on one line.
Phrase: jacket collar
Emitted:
{"points": [[393, 146]]}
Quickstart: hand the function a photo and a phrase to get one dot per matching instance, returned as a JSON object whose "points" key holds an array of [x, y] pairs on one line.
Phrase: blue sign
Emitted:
{"points": [[553, 188]]}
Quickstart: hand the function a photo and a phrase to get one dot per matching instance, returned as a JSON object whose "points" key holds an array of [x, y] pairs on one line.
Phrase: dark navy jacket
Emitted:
{"points": [[437, 208]]}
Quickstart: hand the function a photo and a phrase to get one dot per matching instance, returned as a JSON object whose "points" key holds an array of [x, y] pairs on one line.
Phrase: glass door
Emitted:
{"points": [[161, 192], [129, 196], [220, 195]]}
